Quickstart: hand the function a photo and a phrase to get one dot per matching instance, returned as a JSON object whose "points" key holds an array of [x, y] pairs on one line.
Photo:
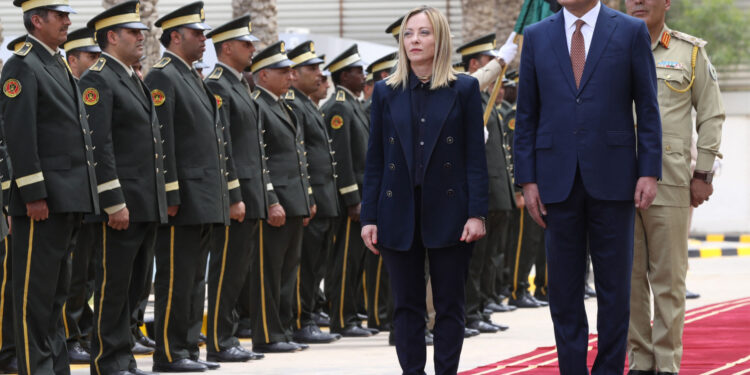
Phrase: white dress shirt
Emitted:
{"points": [[587, 29]]}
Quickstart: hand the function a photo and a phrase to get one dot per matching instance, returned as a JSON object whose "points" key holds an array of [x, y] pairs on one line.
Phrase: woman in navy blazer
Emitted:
{"points": [[425, 187]]}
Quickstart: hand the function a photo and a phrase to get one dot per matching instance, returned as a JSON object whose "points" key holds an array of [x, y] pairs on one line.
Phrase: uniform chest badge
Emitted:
{"points": [[669, 64], [158, 97], [337, 122], [219, 101], [512, 124], [90, 96], [11, 88]]}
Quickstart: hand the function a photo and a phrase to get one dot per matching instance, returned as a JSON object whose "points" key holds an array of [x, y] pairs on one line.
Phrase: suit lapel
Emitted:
{"points": [[274, 105], [605, 26], [442, 101], [128, 82], [193, 82], [560, 47], [399, 107], [240, 89]]}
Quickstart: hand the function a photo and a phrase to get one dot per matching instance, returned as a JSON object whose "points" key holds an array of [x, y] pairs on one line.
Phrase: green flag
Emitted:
{"points": [[534, 11]]}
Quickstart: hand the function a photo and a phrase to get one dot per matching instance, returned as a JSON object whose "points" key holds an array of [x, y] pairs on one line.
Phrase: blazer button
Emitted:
{"points": [[579, 101], [447, 165], [392, 166], [391, 140], [450, 192], [449, 140], [388, 193]]}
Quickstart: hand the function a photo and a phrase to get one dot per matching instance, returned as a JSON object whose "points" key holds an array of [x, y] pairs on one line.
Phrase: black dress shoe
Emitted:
{"points": [[253, 355], [137, 371], [540, 302], [483, 327], [312, 335], [641, 372], [354, 331], [361, 316], [145, 341], [373, 331], [77, 354], [11, 367], [429, 339], [470, 332], [391, 338], [182, 365], [234, 354], [123, 372], [321, 319], [691, 295], [500, 326], [499, 307], [140, 349], [524, 301], [336, 335], [202, 339], [244, 333], [275, 347], [542, 297], [589, 291], [209, 364], [300, 346]]}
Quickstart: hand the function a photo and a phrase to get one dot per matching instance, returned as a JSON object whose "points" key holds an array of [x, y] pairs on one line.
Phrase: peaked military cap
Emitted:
{"points": [[325, 72], [16, 44], [385, 63], [304, 54], [369, 78], [395, 28], [273, 57], [236, 29], [58, 5], [126, 15], [81, 40], [485, 46], [191, 16], [347, 59], [459, 67], [200, 64]]}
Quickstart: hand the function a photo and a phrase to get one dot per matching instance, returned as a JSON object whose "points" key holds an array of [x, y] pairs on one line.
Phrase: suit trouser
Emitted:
{"points": [[41, 269], [317, 242], [7, 343], [344, 277], [235, 248], [139, 294], [540, 266], [244, 304], [180, 289], [659, 266], [504, 278], [379, 299], [273, 278], [117, 254], [530, 243], [78, 318], [498, 231], [480, 256], [609, 227]]}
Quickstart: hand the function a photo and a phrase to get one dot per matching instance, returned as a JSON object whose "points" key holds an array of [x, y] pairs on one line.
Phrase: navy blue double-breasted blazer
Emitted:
{"points": [[454, 186]]}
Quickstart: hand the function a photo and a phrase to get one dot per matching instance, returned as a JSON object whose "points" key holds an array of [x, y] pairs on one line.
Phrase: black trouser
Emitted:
{"points": [[7, 343], [501, 222], [317, 243], [41, 269], [344, 277], [540, 265], [504, 278], [117, 279], [235, 247], [273, 277], [78, 318], [180, 289], [530, 243], [139, 293], [244, 303], [482, 268], [379, 299]]}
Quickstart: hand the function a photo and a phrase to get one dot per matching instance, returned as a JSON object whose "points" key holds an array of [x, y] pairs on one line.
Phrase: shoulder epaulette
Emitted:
{"points": [[216, 74], [25, 49], [163, 62], [256, 94], [340, 96], [99, 65], [688, 38], [289, 95]]}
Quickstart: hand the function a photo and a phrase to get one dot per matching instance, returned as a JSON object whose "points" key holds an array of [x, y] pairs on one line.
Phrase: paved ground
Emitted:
{"points": [[717, 279]]}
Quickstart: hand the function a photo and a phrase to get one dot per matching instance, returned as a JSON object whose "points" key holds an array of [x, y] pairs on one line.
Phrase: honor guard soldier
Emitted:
{"points": [[379, 300], [317, 240], [349, 129], [53, 185], [686, 80], [81, 51], [395, 28], [274, 272], [130, 176], [235, 245], [8, 361], [198, 197], [487, 257]]}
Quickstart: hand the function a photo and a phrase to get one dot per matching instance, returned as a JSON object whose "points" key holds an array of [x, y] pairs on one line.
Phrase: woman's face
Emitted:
{"points": [[419, 39]]}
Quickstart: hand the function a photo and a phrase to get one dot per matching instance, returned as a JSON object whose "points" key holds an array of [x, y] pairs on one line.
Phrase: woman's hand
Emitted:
{"points": [[473, 230], [370, 236]]}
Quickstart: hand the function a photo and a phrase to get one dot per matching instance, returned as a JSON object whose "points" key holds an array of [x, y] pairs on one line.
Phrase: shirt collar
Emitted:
{"points": [[128, 69], [589, 18], [275, 97], [414, 81], [233, 70], [50, 50], [190, 67]]}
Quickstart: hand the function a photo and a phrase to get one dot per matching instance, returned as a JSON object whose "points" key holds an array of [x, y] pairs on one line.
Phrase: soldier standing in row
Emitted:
{"points": [[8, 361], [130, 175], [54, 182]]}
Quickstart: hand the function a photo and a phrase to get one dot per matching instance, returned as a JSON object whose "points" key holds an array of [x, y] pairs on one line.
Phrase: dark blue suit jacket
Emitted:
{"points": [[455, 179], [560, 128]]}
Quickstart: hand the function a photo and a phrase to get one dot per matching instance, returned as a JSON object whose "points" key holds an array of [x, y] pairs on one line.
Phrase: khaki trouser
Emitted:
{"points": [[659, 266]]}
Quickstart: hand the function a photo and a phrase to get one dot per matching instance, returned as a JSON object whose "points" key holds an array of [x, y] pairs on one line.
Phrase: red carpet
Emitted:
{"points": [[716, 342]]}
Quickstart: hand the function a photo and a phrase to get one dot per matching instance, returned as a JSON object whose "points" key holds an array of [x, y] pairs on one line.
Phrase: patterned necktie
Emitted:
{"points": [[578, 52]]}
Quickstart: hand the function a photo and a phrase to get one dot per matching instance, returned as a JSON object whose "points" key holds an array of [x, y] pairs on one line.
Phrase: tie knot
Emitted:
{"points": [[579, 24]]}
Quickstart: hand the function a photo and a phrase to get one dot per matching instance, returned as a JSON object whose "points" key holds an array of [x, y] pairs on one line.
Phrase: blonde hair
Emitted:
{"points": [[442, 69]]}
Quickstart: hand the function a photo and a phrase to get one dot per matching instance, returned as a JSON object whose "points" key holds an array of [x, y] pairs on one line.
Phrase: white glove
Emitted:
{"points": [[486, 135], [509, 50]]}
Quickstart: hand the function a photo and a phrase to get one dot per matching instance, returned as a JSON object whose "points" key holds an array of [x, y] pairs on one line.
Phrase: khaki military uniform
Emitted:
{"points": [[686, 80]]}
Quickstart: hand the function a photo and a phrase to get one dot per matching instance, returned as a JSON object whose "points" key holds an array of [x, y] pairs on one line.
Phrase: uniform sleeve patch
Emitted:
{"points": [[158, 97], [219, 101], [337, 122], [712, 72], [512, 124], [11, 88], [90, 96]]}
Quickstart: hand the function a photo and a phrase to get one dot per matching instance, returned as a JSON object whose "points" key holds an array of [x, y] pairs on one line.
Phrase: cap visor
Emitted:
{"points": [[133, 25], [280, 64], [197, 26], [92, 49], [62, 8], [247, 38], [491, 52], [313, 61]]}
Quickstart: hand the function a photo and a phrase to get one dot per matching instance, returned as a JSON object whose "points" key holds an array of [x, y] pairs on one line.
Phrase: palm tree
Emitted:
{"points": [[151, 43], [263, 17]]}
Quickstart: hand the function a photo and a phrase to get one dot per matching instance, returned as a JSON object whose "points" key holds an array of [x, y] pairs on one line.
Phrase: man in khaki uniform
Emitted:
{"points": [[686, 80]]}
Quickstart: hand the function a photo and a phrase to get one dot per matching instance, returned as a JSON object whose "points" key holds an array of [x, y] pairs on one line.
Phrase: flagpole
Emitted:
{"points": [[496, 89]]}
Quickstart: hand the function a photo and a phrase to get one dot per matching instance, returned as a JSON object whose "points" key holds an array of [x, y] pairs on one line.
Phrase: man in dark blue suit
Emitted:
{"points": [[583, 166]]}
